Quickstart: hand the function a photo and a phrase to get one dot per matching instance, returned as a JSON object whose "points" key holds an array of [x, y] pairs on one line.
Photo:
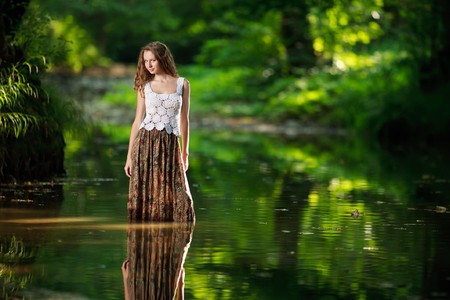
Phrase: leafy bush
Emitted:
{"points": [[31, 120]]}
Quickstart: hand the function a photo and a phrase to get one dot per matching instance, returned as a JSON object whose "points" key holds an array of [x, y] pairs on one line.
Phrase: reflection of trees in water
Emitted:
{"points": [[156, 253], [288, 213], [14, 251], [19, 245], [397, 243]]}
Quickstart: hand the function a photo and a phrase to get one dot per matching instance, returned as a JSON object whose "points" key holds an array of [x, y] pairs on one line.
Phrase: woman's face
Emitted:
{"points": [[150, 62]]}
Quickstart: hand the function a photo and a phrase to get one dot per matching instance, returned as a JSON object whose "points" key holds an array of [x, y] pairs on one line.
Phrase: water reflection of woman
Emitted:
{"points": [[155, 265]]}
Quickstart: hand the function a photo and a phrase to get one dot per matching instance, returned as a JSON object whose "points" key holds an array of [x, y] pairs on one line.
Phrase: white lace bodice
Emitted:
{"points": [[162, 111]]}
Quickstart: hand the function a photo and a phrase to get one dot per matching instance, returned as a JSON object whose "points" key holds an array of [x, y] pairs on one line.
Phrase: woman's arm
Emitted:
{"points": [[184, 124], [180, 285], [140, 110]]}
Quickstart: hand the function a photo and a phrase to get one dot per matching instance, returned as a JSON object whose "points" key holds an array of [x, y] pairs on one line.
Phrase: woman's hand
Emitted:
{"points": [[127, 167], [125, 274], [185, 159], [125, 270]]}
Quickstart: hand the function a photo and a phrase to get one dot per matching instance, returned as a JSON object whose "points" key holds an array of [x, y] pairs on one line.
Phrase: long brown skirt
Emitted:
{"points": [[159, 190]]}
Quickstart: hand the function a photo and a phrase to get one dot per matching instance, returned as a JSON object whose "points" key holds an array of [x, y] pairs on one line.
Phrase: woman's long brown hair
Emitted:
{"points": [[163, 55]]}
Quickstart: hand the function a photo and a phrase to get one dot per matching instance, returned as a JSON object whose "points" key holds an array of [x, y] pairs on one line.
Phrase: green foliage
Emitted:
{"points": [[81, 50], [345, 27], [115, 29], [15, 92], [23, 101], [255, 44], [25, 105], [342, 63], [34, 39], [217, 91], [121, 94], [31, 118]]}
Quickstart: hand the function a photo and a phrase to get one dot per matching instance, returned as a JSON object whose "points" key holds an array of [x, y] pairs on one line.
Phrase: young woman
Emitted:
{"points": [[156, 164]]}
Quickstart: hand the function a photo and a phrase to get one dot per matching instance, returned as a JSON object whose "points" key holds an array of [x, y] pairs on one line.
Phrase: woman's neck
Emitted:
{"points": [[162, 77]]}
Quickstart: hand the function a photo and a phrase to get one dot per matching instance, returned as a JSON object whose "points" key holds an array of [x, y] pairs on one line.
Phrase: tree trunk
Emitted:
{"points": [[297, 42]]}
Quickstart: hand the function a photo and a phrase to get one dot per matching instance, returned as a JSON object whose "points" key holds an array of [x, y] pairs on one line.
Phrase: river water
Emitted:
{"points": [[278, 217]]}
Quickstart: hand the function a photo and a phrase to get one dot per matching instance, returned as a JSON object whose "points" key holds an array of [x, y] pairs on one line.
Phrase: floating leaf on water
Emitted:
{"points": [[355, 214], [441, 209]]}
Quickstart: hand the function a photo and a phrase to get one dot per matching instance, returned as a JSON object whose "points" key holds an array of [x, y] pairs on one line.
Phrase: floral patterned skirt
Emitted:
{"points": [[159, 191]]}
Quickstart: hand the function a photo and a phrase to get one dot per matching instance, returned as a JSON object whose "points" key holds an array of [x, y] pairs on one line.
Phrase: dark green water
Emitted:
{"points": [[274, 221]]}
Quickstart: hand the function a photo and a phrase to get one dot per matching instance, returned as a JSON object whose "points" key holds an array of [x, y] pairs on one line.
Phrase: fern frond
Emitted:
{"points": [[15, 88], [17, 123]]}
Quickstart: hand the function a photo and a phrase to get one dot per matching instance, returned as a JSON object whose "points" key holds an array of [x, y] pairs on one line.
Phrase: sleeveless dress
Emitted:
{"points": [[159, 189]]}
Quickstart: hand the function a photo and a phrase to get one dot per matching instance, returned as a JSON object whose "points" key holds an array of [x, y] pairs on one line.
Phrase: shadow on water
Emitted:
{"points": [[274, 221]]}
